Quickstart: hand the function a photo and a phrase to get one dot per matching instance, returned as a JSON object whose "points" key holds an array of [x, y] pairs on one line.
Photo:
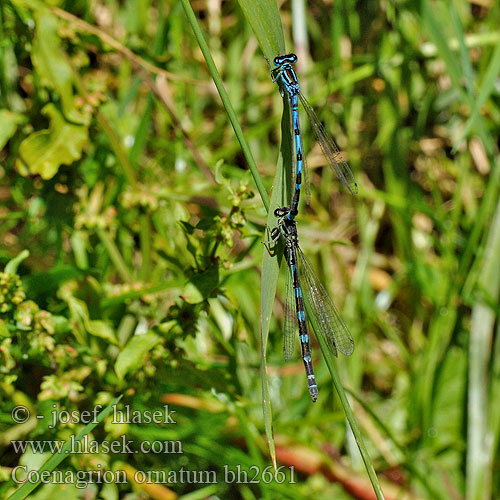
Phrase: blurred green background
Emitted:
{"points": [[122, 177]]}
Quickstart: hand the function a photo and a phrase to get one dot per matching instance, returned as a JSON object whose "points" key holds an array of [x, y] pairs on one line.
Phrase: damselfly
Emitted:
{"points": [[284, 73], [328, 323]]}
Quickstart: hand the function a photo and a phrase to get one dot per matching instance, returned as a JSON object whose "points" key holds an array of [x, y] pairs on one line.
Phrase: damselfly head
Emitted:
{"points": [[288, 58], [281, 212]]}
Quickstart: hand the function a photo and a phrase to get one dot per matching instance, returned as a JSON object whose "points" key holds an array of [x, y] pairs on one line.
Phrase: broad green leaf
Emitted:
{"points": [[8, 125], [264, 18], [43, 152], [134, 352], [51, 64]]}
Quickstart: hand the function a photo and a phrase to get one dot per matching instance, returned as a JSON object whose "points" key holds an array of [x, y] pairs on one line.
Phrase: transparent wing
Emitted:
{"points": [[290, 319], [330, 326], [330, 149]]}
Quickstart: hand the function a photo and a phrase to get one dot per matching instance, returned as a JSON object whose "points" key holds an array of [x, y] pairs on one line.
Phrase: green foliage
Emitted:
{"points": [[44, 151], [8, 125], [133, 354], [266, 25], [52, 67], [121, 173]]}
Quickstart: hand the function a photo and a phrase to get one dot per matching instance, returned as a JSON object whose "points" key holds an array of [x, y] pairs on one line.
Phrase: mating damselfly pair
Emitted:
{"points": [[329, 326]]}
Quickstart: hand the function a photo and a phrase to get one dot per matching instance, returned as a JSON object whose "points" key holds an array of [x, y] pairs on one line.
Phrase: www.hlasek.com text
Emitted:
{"points": [[88, 445]]}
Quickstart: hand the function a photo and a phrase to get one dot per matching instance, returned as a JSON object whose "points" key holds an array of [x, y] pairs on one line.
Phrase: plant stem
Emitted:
{"points": [[347, 409], [225, 101], [114, 255]]}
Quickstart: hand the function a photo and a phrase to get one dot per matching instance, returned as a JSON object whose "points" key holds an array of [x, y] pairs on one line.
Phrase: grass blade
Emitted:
{"points": [[263, 16], [271, 265], [479, 452], [346, 406], [485, 91], [225, 101], [57, 458]]}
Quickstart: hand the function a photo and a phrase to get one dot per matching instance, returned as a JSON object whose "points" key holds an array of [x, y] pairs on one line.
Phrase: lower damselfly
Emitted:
{"points": [[284, 74], [328, 324]]}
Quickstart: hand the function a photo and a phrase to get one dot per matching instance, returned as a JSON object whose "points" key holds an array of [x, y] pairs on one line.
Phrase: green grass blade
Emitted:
{"points": [[431, 24], [271, 264], [420, 471], [57, 458], [494, 410], [487, 86], [464, 55], [346, 406], [225, 101], [479, 457], [264, 18]]}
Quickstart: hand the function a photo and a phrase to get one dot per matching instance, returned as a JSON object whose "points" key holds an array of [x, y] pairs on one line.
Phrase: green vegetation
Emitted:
{"points": [[133, 278]]}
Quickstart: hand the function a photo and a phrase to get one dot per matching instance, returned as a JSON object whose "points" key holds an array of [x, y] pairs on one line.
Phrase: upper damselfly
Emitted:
{"points": [[284, 73]]}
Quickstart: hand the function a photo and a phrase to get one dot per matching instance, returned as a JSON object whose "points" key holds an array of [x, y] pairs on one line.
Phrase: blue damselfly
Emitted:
{"points": [[284, 73], [328, 323]]}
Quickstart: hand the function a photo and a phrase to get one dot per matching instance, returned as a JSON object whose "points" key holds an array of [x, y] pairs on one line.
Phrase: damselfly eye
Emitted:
{"points": [[277, 61], [293, 58]]}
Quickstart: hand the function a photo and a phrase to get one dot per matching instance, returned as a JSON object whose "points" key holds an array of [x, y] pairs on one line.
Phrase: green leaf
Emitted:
{"points": [[8, 125], [43, 152], [13, 264], [134, 353], [101, 329], [49, 281], [51, 64], [271, 264], [264, 18], [80, 314], [207, 281]]}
